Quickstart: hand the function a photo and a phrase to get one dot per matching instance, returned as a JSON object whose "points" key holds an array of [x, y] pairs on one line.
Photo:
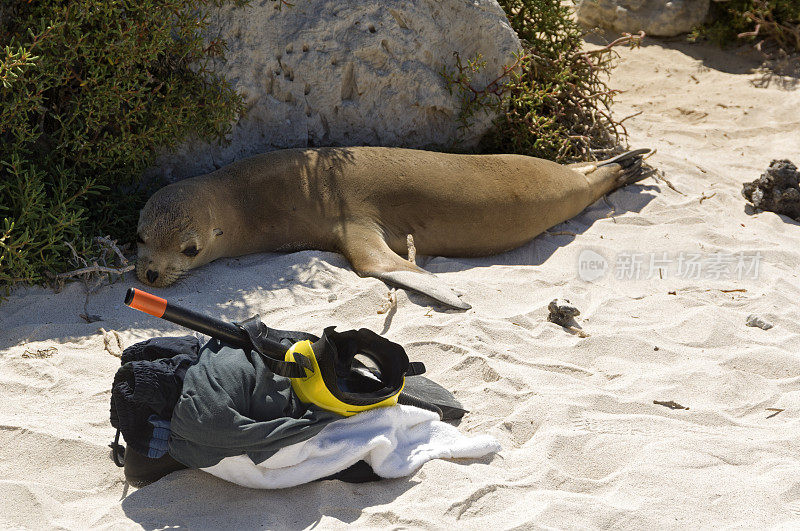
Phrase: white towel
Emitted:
{"points": [[395, 441]]}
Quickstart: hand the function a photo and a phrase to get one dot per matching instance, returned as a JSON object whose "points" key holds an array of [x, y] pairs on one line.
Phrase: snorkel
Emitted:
{"points": [[227, 333], [323, 370]]}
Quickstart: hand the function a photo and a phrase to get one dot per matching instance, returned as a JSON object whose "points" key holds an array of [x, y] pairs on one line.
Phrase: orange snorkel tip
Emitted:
{"points": [[146, 302], [228, 333]]}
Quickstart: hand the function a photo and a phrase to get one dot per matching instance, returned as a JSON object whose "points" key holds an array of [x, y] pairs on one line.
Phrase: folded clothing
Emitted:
{"points": [[232, 404], [393, 441]]}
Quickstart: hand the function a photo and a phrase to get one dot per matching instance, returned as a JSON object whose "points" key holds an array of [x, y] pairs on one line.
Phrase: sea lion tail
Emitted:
{"points": [[631, 163]]}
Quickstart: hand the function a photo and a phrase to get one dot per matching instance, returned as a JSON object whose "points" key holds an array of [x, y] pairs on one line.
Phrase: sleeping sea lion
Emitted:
{"points": [[363, 202]]}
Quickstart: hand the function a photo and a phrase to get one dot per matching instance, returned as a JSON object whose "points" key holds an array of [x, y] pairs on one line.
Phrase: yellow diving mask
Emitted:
{"points": [[343, 372]]}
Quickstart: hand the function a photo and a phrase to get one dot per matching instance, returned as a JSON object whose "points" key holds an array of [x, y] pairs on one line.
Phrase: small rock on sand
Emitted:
{"points": [[777, 190], [562, 312], [754, 320]]}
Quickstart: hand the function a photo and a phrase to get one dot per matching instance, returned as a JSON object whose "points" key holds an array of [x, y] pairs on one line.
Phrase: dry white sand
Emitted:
{"points": [[584, 444]]}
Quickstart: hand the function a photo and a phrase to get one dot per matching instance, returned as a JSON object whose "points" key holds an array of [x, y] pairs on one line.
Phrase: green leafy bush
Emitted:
{"points": [[775, 23], [89, 91], [554, 102]]}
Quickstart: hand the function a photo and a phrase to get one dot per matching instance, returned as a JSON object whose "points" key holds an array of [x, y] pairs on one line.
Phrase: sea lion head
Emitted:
{"points": [[176, 233]]}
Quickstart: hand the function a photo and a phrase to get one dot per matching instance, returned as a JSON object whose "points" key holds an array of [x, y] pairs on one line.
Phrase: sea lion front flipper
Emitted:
{"points": [[370, 256]]}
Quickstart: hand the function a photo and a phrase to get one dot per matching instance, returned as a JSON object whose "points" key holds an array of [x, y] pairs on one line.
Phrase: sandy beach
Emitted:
{"points": [[670, 413]]}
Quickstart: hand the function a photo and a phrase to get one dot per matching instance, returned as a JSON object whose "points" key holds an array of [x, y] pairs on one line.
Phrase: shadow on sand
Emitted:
{"points": [[632, 198], [744, 59], [750, 210], [193, 499]]}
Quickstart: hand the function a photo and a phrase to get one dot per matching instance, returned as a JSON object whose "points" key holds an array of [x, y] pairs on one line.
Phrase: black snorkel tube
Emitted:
{"points": [[227, 333]]}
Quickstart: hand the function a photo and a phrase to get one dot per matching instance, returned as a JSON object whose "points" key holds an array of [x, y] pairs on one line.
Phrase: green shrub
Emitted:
{"points": [[89, 91], [554, 102], [775, 23]]}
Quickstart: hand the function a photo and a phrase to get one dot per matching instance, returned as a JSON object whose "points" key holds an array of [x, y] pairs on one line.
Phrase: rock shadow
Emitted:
{"points": [[742, 59]]}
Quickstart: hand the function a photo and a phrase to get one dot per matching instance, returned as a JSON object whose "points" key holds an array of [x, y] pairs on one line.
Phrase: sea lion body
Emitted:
{"points": [[363, 202]]}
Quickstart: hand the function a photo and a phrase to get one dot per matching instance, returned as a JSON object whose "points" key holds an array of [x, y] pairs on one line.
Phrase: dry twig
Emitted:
{"points": [[111, 244], [389, 303], [40, 353], [671, 404], [662, 177], [704, 197], [412, 250], [95, 268]]}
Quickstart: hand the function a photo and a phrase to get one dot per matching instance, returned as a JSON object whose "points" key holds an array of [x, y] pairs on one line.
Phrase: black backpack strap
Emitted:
{"points": [[117, 451], [273, 351]]}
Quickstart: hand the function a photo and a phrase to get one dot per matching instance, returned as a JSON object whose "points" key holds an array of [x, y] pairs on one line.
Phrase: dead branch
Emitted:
{"points": [[107, 242], [96, 269], [627, 38]]}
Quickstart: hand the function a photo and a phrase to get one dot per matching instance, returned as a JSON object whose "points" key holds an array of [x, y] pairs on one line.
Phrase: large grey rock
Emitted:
{"points": [[347, 72], [658, 18]]}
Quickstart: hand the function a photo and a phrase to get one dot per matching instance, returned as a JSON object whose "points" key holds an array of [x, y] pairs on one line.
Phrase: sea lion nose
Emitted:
{"points": [[151, 275]]}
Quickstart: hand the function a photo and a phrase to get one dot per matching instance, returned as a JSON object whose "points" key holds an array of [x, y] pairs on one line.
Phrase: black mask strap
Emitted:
{"points": [[268, 346]]}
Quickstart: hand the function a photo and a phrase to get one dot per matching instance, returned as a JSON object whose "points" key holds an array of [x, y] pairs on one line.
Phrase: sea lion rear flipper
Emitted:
{"points": [[370, 256], [426, 283], [626, 158], [631, 165]]}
